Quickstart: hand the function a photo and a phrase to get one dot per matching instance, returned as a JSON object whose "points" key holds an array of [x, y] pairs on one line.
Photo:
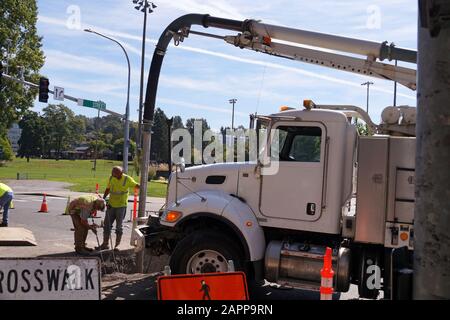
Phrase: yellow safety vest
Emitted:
{"points": [[4, 188], [119, 190]]}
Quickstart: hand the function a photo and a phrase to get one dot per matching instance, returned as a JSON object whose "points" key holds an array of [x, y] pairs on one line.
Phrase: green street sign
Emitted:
{"points": [[99, 105]]}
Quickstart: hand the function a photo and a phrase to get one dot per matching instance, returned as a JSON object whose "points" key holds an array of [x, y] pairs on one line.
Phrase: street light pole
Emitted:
{"points": [[395, 88], [143, 6], [368, 84], [126, 137], [232, 101]]}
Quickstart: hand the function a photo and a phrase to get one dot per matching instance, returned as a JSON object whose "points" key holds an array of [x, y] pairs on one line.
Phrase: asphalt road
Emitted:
{"points": [[54, 238], [51, 230]]}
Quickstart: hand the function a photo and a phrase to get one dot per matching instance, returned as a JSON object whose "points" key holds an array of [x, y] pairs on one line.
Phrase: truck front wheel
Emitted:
{"points": [[205, 252]]}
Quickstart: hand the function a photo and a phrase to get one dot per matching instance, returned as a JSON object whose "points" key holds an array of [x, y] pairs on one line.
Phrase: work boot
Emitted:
{"points": [[104, 245], [3, 224], [118, 239], [88, 249], [82, 251]]}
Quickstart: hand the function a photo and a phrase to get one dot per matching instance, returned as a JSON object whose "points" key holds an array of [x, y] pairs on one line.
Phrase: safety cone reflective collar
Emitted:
{"points": [[327, 273], [44, 207]]}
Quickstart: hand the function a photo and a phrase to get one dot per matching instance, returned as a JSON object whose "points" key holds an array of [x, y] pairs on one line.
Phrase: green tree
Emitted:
{"points": [[64, 129], [177, 123], [18, 33], [6, 152], [100, 145], [118, 148], [160, 137], [111, 124], [34, 134]]}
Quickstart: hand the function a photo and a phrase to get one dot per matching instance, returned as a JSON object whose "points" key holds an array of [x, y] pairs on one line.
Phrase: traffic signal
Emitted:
{"points": [[43, 89]]}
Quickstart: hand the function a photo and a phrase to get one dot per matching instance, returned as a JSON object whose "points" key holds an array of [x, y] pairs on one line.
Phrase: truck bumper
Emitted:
{"points": [[158, 238]]}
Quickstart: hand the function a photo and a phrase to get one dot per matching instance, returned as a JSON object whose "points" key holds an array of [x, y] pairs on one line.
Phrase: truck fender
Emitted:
{"points": [[226, 208], [243, 218]]}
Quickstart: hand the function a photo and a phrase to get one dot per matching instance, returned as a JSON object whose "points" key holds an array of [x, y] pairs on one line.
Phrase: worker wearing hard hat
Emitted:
{"points": [[118, 191], [6, 196], [80, 209]]}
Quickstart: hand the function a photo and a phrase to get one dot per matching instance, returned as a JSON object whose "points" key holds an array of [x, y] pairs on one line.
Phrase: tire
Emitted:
{"points": [[205, 252]]}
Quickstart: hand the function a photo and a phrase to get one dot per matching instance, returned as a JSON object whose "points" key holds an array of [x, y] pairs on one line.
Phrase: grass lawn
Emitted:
{"points": [[77, 172]]}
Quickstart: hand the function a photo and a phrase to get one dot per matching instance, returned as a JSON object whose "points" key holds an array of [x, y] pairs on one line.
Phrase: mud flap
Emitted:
{"points": [[402, 274]]}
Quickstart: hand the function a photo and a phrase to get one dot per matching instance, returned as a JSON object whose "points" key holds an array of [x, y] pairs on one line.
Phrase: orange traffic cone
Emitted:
{"points": [[44, 207], [327, 273]]}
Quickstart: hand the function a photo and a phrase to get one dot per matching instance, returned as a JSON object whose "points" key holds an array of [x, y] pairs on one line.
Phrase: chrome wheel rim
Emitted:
{"points": [[207, 261]]}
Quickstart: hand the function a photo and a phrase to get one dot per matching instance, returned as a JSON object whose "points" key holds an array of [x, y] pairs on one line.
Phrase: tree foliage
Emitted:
{"points": [[118, 148], [18, 27], [63, 127], [34, 135], [6, 153], [160, 137]]}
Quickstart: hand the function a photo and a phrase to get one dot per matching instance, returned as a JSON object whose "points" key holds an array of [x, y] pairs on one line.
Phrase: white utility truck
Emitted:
{"points": [[334, 188]]}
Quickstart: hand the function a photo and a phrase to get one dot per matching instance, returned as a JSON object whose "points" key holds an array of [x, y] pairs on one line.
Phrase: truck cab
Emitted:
{"points": [[274, 217]]}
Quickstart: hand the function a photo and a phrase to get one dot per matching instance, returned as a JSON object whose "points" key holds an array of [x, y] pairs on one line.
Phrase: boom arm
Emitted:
{"points": [[369, 66], [257, 36]]}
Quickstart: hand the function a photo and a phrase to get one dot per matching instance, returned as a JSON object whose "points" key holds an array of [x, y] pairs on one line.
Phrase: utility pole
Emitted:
{"points": [[432, 209], [368, 84], [395, 88], [146, 7], [232, 101]]}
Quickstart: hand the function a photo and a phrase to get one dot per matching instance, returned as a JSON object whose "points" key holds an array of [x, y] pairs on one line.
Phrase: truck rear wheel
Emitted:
{"points": [[205, 252]]}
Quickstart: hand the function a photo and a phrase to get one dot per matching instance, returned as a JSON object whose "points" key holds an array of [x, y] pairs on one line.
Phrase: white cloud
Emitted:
{"points": [[218, 8], [174, 102]]}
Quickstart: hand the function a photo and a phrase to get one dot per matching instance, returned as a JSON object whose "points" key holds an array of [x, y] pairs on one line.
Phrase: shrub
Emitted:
{"points": [[6, 152]]}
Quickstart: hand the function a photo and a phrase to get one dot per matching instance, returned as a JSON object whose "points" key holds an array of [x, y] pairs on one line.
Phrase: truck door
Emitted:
{"points": [[295, 191]]}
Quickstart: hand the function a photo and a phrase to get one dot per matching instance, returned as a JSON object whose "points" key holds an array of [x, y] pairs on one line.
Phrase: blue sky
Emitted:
{"points": [[201, 75]]}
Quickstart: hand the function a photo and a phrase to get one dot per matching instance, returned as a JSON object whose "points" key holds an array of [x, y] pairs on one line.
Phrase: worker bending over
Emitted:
{"points": [[118, 191], [80, 209]]}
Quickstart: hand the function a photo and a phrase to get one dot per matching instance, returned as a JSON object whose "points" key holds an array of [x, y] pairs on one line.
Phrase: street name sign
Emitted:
{"points": [[99, 105], [50, 279]]}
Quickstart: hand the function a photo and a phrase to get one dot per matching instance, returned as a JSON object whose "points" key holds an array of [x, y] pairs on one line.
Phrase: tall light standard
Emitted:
{"points": [[368, 84], [233, 102], [126, 135], [146, 7]]}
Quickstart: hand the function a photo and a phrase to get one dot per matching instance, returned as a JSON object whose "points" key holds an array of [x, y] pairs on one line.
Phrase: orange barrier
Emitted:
{"points": [[44, 207], [135, 204], [327, 273], [206, 286]]}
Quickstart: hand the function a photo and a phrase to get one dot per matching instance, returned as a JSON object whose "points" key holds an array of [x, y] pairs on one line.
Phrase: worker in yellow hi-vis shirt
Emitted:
{"points": [[6, 196], [118, 191]]}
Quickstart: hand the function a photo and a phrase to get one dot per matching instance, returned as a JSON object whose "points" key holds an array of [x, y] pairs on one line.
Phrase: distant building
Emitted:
{"points": [[14, 136]]}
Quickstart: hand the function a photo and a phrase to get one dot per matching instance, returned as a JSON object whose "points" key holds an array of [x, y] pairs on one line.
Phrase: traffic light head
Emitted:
{"points": [[43, 89]]}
